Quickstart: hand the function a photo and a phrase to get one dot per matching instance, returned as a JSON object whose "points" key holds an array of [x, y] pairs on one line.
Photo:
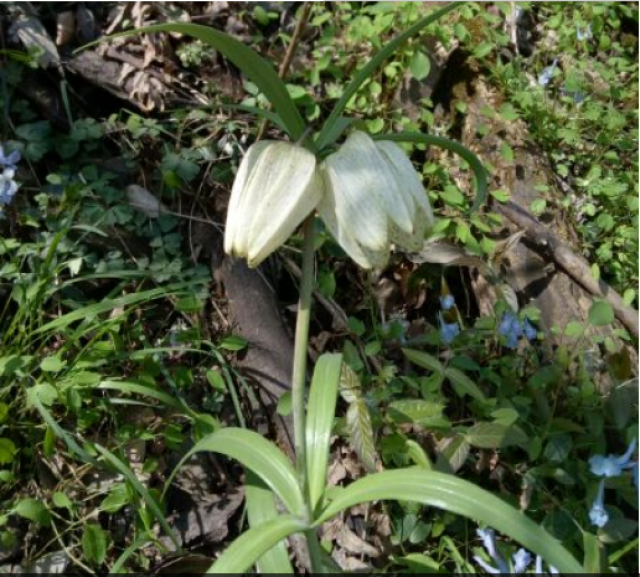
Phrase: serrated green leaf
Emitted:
{"points": [[7, 451], [94, 543], [415, 411], [33, 510], [463, 385], [458, 496], [455, 451], [424, 360], [52, 364], [494, 436], [61, 501], [361, 434]]}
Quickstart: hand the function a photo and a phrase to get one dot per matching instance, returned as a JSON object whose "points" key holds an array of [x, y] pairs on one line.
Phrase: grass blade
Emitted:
{"points": [[458, 496], [368, 69], [254, 543], [258, 455], [261, 508], [130, 476], [320, 413]]}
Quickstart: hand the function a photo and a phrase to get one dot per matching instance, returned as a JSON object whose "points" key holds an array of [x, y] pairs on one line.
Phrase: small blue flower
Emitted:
{"points": [[613, 465], [521, 560], [586, 34], [598, 514], [547, 74], [510, 328], [447, 302], [488, 537], [10, 160], [8, 186], [529, 330], [448, 331]]}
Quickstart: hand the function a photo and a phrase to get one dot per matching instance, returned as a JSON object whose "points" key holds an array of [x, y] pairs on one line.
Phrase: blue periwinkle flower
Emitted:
{"points": [[447, 302], [8, 186], [598, 514], [547, 74], [521, 560], [538, 569], [448, 331], [510, 328], [613, 465], [9, 160]]}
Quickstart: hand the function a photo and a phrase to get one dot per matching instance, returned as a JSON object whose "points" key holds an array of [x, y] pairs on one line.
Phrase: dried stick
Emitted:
{"points": [[574, 265], [288, 57]]}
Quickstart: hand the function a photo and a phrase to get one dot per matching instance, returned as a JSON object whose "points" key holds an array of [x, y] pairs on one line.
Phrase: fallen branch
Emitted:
{"points": [[574, 265]]}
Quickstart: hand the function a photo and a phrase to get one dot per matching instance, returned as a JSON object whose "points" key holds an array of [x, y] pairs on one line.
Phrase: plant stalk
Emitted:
{"points": [[299, 377], [298, 382]]}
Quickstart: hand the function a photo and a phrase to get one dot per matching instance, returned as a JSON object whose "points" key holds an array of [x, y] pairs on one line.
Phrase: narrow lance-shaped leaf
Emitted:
{"points": [[261, 508], [256, 68], [323, 396], [368, 69], [254, 543], [257, 454], [458, 496]]}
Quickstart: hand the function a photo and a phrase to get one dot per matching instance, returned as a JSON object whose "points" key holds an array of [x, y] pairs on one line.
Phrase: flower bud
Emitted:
{"points": [[276, 188]]}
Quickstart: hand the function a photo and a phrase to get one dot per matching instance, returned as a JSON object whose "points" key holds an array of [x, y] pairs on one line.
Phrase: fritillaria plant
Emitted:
{"points": [[369, 197]]}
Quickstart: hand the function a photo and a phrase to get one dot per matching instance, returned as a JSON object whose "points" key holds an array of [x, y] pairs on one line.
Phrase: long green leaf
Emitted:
{"points": [[458, 496], [145, 538], [254, 543], [127, 387], [479, 171], [256, 68], [261, 508], [258, 455], [130, 476], [109, 305], [368, 69], [321, 411]]}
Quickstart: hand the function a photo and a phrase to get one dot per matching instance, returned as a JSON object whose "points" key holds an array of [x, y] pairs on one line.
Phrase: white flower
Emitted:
{"points": [[276, 187], [373, 197]]}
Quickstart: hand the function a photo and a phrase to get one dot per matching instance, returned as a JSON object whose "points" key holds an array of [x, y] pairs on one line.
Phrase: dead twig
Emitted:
{"points": [[288, 57], [574, 265]]}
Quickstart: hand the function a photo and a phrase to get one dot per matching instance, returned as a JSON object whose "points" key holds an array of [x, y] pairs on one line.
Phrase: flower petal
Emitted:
{"points": [[360, 184], [284, 181], [236, 230], [363, 256], [407, 178]]}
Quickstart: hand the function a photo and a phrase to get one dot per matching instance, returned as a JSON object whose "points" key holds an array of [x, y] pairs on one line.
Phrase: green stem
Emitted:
{"points": [[299, 377], [298, 381]]}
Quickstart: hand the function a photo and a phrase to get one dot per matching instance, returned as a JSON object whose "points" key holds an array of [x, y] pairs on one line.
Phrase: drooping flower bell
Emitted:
{"points": [[276, 188], [373, 197]]}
